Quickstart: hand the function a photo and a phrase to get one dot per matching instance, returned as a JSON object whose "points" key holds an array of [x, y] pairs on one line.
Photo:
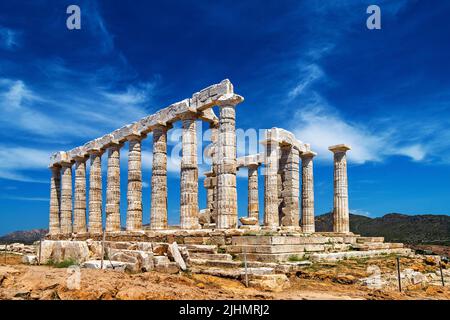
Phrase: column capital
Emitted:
{"points": [[189, 115], [253, 165], [338, 148], [136, 137], [229, 100], [79, 159], [308, 154]]}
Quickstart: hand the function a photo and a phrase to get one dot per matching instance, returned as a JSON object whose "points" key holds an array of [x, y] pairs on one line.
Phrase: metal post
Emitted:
{"points": [[399, 276], [40, 250], [103, 249], [245, 266], [442, 275]]}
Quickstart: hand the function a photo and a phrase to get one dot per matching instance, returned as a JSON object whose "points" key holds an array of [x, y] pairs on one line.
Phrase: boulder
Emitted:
{"points": [[248, 221], [107, 264], [29, 259], [269, 282], [60, 250], [174, 253]]}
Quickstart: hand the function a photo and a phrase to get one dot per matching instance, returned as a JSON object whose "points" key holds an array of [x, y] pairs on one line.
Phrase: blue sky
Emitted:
{"points": [[311, 67]]}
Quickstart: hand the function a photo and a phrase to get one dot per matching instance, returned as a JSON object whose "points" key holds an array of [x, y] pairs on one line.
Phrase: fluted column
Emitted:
{"points": [[158, 211], [291, 187], [253, 200], [341, 221], [134, 193], [55, 200], [214, 157], [209, 186], [79, 211], [226, 167], [66, 198], [113, 189], [271, 218], [307, 224], [95, 192], [189, 175]]}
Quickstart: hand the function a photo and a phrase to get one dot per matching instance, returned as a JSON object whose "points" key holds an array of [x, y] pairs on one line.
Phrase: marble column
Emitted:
{"points": [[113, 189], [189, 175], [341, 221], [214, 157], [307, 224], [271, 217], [209, 186], [226, 168], [158, 211], [291, 187], [253, 200], [79, 210], [55, 200], [134, 192], [66, 198], [95, 192]]}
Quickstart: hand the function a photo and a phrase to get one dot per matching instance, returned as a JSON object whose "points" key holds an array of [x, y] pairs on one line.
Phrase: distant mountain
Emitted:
{"points": [[27, 237], [396, 227]]}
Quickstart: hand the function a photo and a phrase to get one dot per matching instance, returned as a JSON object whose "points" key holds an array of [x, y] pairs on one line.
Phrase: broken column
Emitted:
{"points": [[134, 191], [307, 223], [66, 197], [226, 162], [340, 210], [189, 174], [113, 188], [290, 186], [55, 200], [253, 198], [79, 210], [95, 191], [158, 211]]}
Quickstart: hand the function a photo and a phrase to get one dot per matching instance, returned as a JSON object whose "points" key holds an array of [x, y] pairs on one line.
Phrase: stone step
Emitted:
{"points": [[369, 239], [335, 256], [311, 239], [215, 263], [377, 246], [270, 257], [211, 256], [280, 248], [203, 248]]}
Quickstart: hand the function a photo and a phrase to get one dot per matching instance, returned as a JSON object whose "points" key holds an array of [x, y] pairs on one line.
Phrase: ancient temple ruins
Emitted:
{"points": [[280, 239], [285, 205]]}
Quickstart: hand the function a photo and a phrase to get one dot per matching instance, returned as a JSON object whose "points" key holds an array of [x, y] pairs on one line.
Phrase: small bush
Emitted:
{"points": [[295, 258], [62, 264]]}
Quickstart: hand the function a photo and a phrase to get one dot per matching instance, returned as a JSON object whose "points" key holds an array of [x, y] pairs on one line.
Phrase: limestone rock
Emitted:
{"points": [[174, 252], [60, 250], [29, 259], [248, 220], [271, 282]]}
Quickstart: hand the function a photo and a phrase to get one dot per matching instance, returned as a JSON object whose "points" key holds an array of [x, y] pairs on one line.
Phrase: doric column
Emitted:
{"points": [[95, 192], [189, 175], [209, 186], [340, 212], [291, 186], [66, 198], [113, 189], [214, 157], [134, 193], [158, 211], [271, 218], [79, 210], [307, 224], [226, 167], [55, 200], [253, 200]]}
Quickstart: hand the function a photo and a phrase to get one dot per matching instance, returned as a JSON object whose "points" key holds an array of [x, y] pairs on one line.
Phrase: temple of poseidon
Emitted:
{"points": [[81, 220]]}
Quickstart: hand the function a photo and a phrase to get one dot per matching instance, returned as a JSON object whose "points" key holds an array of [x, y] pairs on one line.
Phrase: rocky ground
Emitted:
{"points": [[340, 280]]}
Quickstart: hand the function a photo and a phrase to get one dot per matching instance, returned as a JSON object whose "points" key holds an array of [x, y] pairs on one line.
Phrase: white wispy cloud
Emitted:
{"points": [[9, 38]]}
